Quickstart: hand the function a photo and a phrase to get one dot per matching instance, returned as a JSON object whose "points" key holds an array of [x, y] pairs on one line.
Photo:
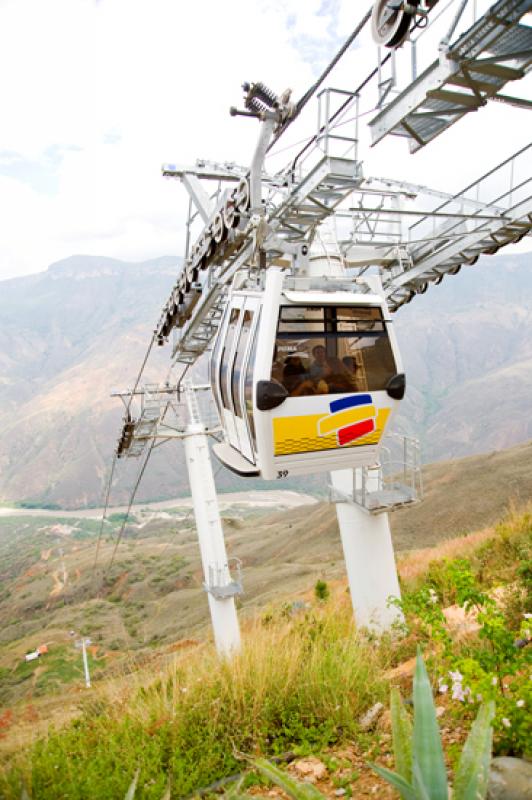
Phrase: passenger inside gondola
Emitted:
{"points": [[350, 364], [339, 380], [319, 367], [296, 379]]}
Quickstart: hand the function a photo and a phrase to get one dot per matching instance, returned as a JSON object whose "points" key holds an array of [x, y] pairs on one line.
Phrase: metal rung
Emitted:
{"points": [[455, 98]]}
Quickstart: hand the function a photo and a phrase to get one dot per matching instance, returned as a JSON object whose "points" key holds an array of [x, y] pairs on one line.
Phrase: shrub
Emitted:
{"points": [[321, 590]]}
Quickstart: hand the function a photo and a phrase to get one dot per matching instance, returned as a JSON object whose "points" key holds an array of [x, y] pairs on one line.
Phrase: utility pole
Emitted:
{"points": [[82, 644]]}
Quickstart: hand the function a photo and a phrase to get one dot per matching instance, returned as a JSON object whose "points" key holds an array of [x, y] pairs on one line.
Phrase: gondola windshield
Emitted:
{"points": [[332, 350]]}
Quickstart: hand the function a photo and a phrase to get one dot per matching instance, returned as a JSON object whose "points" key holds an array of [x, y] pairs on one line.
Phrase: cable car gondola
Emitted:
{"points": [[305, 380]]}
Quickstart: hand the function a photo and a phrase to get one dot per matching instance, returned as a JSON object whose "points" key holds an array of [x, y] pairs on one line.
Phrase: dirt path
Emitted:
{"points": [[58, 584]]}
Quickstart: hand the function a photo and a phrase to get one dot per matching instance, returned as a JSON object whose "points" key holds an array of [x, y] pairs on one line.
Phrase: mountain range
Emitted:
{"points": [[73, 334]]}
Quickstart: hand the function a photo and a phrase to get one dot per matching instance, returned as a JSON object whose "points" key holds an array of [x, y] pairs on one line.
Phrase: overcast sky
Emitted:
{"points": [[96, 94]]}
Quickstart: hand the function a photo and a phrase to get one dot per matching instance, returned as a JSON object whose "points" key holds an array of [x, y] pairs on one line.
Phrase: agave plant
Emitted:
{"points": [[418, 751], [293, 788]]}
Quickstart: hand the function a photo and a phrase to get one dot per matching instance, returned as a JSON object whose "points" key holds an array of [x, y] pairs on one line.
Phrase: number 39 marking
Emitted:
{"points": [[282, 473]]}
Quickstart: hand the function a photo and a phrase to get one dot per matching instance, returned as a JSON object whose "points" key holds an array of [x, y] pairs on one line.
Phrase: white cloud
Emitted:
{"points": [[99, 94]]}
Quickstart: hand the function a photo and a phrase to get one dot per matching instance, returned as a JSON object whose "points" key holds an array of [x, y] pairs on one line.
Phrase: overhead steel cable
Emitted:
{"points": [[140, 372], [301, 103], [315, 86], [115, 456], [134, 492], [131, 501], [339, 110], [104, 514], [305, 140]]}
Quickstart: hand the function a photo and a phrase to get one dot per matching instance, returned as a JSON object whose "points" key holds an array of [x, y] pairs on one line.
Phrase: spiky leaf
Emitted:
{"points": [[420, 788], [471, 781], [296, 790], [427, 748], [132, 787], [402, 736], [168, 792], [397, 781]]}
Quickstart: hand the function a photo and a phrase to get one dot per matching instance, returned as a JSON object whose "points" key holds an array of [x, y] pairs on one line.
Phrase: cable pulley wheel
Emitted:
{"points": [[241, 196], [230, 217], [390, 21], [218, 228]]}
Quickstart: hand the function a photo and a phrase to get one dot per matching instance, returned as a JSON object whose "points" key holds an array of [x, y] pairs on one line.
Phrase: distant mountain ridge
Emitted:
{"points": [[467, 348], [71, 335]]}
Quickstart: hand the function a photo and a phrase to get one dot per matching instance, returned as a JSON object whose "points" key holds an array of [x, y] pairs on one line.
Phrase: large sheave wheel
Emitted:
{"points": [[390, 23]]}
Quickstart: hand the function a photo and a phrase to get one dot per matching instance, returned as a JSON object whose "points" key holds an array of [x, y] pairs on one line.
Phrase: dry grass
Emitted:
{"points": [[416, 563]]}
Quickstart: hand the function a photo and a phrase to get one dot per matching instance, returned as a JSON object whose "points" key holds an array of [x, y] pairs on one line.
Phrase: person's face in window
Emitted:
{"points": [[350, 364], [319, 354]]}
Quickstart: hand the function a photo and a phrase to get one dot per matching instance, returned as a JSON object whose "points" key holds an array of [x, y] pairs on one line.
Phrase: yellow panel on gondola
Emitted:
{"points": [[302, 434]]}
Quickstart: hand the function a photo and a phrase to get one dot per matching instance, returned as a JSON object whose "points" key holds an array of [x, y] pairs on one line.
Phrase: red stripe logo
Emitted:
{"points": [[352, 432]]}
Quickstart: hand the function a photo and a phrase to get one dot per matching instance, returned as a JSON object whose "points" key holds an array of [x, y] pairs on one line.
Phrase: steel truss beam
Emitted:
{"points": [[497, 49]]}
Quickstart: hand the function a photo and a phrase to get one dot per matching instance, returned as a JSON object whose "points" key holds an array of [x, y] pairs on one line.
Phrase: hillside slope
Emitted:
{"points": [[153, 594]]}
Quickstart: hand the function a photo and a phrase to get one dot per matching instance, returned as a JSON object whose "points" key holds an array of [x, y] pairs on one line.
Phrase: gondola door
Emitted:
{"points": [[230, 337], [240, 393], [233, 363]]}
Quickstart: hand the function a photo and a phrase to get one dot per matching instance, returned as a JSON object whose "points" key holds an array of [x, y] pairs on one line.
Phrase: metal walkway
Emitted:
{"points": [[496, 50], [330, 182], [437, 248]]}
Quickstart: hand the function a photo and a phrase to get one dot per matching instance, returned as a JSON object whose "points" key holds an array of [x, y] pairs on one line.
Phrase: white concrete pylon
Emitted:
{"points": [[211, 537], [369, 558]]}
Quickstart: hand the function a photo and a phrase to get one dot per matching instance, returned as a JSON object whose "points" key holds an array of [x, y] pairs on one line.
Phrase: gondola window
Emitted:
{"points": [[332, 350], [248, 385], [226, 356], [241, 350]]}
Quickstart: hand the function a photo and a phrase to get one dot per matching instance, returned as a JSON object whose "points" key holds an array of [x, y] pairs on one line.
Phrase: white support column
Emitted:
{"points": [[86, 664], [211, 537], [369, 558], [82, 645]]}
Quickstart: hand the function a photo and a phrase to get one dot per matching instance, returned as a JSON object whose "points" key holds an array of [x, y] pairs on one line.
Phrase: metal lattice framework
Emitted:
{"points": [[470, 71]]}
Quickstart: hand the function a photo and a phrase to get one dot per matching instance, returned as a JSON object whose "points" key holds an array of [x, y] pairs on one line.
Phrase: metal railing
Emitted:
{"points": [[393, 482], [225, 580], [494, 196]]}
